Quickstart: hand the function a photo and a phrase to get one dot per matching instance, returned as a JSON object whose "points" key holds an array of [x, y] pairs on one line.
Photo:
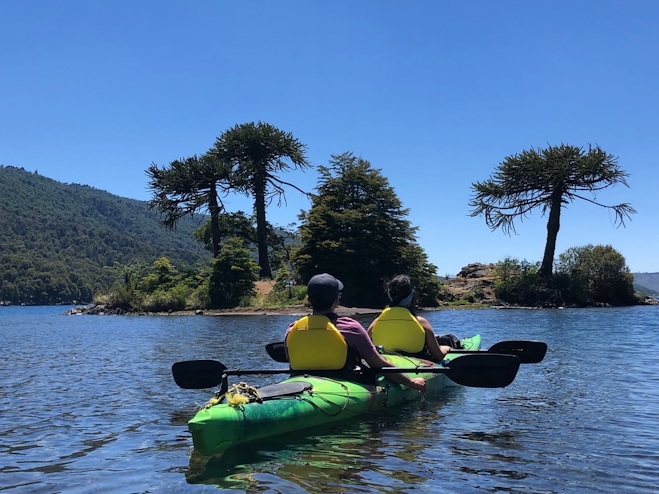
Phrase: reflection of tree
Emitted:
{"points": [[333, 457]]}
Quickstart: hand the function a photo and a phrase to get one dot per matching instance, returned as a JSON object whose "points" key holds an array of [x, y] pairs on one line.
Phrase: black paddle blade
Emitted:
{"points": [[485, 370], [198, 374], [529, 352], [277, 351]]}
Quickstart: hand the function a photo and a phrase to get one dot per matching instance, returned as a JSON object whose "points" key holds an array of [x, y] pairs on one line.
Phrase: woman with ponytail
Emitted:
{"points": [[398, 329]]}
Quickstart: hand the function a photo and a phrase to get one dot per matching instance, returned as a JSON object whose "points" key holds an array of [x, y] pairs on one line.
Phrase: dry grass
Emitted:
{"points": [[264, 287]]}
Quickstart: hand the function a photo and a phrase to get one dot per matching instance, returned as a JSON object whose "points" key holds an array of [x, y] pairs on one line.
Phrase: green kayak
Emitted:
{"points": [[301, 402]]}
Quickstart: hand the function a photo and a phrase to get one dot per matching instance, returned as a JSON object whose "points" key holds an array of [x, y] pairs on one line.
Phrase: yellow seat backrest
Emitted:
{"points": [[314, 343], [398, 330]]}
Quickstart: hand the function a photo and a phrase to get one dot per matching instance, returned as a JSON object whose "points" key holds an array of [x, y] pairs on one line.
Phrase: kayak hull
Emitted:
{"points": [[222, 426]]}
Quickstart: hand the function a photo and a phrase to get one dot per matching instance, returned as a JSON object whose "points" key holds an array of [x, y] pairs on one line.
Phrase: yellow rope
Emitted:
{"points": [[238, 394]]}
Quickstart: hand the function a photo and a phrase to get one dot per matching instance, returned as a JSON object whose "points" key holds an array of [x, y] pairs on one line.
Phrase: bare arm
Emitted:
{"points": [[375, 361], [370, 327], [437, 351]]}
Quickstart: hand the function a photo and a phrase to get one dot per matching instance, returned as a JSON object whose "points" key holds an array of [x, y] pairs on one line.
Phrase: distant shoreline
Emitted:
{"points": [[289, 310], [300, 310]]}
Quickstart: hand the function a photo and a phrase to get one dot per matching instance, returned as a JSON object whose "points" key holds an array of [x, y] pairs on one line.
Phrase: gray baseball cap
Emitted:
{"points": [[324, 288]]}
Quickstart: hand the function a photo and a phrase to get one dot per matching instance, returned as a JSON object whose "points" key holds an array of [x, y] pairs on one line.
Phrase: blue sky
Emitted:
{"points": [[434, 94]]}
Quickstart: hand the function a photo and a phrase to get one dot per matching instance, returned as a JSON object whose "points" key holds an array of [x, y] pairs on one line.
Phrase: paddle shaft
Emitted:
{"points": [[485, 371], [380, 370], [528, 352]]}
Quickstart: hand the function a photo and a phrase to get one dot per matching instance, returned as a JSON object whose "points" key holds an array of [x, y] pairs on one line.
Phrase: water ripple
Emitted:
{"points": [[88, 404]]}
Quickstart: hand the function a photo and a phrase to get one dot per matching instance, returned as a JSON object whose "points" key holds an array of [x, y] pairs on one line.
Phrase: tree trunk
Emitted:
{"points": [[553, 225], [214, 210], [261, 228]]}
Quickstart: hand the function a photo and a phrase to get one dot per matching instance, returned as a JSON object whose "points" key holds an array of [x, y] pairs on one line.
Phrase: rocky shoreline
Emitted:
{"points": [[301, 310], [474, 285], [293, 310]]}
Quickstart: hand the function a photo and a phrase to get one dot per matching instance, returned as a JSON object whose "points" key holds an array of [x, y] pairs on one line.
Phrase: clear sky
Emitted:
{"points": [[433, 93]]}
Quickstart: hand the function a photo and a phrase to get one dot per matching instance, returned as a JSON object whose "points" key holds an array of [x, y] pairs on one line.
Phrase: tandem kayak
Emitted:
{"points": [[247, 413]]}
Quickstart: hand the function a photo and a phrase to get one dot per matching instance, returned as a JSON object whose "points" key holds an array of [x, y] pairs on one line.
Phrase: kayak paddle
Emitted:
{"points": [[481, 371], [277, 351], [528, 352]]}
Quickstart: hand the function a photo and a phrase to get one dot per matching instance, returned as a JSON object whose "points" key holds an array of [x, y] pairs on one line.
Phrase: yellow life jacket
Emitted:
{"points": [[314, 343], [398, 330]]}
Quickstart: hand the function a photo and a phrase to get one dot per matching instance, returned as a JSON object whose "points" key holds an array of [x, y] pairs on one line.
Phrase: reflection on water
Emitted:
{"points": [[88, 404], [342, 457]]}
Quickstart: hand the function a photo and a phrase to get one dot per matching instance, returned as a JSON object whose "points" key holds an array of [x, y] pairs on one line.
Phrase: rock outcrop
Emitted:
{"points": [[474, 284]]}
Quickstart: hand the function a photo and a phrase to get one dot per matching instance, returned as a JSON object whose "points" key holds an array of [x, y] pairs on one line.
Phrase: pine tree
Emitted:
{"points": [[357, 231]]}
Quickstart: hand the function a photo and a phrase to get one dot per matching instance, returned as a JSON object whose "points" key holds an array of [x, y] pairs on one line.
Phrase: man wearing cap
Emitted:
{"points": [[331, 345]]}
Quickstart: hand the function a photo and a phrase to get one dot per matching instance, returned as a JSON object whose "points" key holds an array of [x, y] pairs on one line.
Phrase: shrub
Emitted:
{"points": [[161, 301], [597, 275], [233, 274]]}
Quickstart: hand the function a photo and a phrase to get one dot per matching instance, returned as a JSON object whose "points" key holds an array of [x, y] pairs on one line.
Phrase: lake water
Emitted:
{"points": [[88, 404]]}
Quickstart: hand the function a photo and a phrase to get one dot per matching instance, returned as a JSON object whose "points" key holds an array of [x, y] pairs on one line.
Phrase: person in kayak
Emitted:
{"points": [[399, 329], [328, 344]]}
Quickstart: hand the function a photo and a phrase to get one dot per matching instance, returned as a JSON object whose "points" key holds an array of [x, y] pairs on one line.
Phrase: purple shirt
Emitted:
{"points": [[354, 334]]}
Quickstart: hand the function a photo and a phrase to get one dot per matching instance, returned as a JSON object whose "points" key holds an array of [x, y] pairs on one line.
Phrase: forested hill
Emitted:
{"points": [[58, 241], [647, 280]]}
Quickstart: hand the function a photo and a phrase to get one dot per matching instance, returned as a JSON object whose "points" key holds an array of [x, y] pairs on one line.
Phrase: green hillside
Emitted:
{"points": [[58, 241], [647, 282]]}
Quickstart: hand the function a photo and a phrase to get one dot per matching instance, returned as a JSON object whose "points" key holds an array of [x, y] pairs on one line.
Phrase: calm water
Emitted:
{"points": [[88, 404]]}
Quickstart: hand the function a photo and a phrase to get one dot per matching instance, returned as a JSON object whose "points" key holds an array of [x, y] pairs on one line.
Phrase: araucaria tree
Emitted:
{"points": [[193, 185], [357, 230], [257, 152], [548, 179]]}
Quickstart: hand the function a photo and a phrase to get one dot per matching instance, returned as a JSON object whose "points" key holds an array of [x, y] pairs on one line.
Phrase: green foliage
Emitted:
{"points": [[283, 279], [597, 274], [163, 301], [257, 153], [58, 242], [200, 297], [190, 186], [120, 296], [548, 179], [285, 290], [157, 287], [296, 295], [356, 230], [162, 266], [233, 274], [518, 282], [585, 276], [281, 241], [229, 225]]}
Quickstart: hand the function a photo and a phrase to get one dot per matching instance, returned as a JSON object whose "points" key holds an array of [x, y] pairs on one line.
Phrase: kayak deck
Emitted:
{"points": [[301, 402]]}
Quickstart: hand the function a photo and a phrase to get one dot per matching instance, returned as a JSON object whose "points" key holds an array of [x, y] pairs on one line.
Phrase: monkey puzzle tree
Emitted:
{"points": [[257, 152], [549, 179], [190, 186], [280, 239], [229, 225]]}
